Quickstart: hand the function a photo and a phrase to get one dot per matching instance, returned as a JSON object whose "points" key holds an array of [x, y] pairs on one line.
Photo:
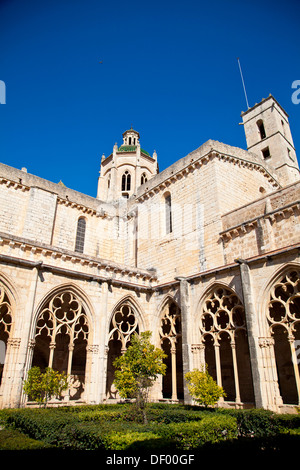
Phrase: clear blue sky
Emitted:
{"points": [[169, 69]]}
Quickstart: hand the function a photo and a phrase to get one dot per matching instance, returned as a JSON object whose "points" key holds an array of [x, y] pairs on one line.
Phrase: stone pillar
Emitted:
{"points": [[252, 330], [185, 326], [23, 362]]}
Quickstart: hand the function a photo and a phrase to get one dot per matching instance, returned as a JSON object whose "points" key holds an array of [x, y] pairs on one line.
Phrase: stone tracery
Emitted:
{"points": [[223, 332], [283, 317], [61, 336]]}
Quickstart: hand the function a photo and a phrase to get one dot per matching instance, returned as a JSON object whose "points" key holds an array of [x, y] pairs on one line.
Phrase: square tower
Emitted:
{"points": [[269, 136]]}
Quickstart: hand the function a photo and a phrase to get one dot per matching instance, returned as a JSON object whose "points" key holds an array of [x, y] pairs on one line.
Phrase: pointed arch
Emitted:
{"points": [[126, 320], [7, 309], [61, 333], [282, 317], [170, 335], [222, 327]]}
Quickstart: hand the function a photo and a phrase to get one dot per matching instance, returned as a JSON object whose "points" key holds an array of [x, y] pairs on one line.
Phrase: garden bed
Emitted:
{"points": [[170, 428]]}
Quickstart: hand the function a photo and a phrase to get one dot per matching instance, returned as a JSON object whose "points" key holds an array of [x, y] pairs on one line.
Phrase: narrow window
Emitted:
{"points": [[126, 181], [168, 206], [261, 129], [143, 178], [266, 152], [80, 235], [129, 140]]}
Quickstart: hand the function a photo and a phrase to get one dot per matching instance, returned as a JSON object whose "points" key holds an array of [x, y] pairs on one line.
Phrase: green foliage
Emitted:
{"points": [[11, 439], [40, 387], [203, 388], [256, 422], [107, 427], [138, 369], [194, 434]]}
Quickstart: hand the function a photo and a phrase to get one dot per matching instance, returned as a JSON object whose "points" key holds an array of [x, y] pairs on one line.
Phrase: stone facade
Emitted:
{"points": [[204, 254]]}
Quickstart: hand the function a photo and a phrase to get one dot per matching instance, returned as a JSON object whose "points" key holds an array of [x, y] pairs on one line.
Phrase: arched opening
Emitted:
{"points": [[171, 343], [5, 325], [61, 338], [284, 321], [126, 181], [168, 213], [80, 235], [123, 325], [143, 178], [261, 129], [226, 350]]}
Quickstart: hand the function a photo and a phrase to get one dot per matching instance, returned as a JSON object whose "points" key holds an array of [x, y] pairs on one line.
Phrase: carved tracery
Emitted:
{"points": [[170, 338], [61, 336], [123, 325], [223, 332], [283, 317], [5, 325]]}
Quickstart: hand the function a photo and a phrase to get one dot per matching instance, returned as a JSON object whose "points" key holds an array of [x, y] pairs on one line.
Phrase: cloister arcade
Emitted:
{"points": [[63, 326]]}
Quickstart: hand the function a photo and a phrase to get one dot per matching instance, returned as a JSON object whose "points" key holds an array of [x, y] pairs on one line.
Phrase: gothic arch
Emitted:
{"points": [[7, 314], [280, 318], [221, 323], [126, 320], [61, 333], [170, 337]]}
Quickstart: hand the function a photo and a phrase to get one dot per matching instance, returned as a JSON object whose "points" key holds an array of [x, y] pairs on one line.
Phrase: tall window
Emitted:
{"points": [[61, 339], [126, 181], [261, 129], [143, 178], [80, 235], [168, 211]]}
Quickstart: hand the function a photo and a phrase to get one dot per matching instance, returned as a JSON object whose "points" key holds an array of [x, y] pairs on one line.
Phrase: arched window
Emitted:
{"points": [[168, 213], [143, 178], [80, 235], [284, 322], [5, 325], [61, 339], [123, 325], [126, 181], [171, 343], [261, 129], [226, 350]]}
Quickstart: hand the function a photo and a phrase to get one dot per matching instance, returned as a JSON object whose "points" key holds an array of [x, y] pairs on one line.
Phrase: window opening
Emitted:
{"points": [[80, 235], [126, 181], [266, 152], [261, 129], [168, 205]]}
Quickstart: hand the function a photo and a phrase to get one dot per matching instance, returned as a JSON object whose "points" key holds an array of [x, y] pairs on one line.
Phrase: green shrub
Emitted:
{"points": [[191, 435], [11, 439], [255, 422], [123, 441]]}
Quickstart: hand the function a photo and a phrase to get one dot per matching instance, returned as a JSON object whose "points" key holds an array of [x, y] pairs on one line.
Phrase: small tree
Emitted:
{"points": [[203, 388], [138, 369], [40, 387]]}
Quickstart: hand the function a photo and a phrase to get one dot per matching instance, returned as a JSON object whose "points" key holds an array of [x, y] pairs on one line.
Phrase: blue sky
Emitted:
{"points": [[169, 69]]}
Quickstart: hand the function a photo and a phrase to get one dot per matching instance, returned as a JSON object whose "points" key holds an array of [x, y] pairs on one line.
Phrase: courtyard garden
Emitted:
{"points": [[170, 428]]}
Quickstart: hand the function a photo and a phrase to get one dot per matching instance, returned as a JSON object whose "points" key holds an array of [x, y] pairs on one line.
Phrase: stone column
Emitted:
{"points": [[252, 330], [185, 326]]}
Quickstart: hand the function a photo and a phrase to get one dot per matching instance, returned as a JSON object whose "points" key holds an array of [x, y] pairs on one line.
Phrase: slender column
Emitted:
{"points": [[51, 354], [174, 372], [295, 365], [235, 371], [218, 363]]}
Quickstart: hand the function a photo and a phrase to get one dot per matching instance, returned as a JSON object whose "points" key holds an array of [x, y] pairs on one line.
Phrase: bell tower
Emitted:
{"points": [[268, 135], [124, 170]]}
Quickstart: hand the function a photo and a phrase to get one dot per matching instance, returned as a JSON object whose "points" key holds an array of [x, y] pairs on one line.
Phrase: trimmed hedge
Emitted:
{"points": [[194, 434], [110, 427]]}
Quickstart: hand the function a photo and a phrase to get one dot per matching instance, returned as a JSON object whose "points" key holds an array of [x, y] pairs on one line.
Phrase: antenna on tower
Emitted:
{"points": [[243, 82]]}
